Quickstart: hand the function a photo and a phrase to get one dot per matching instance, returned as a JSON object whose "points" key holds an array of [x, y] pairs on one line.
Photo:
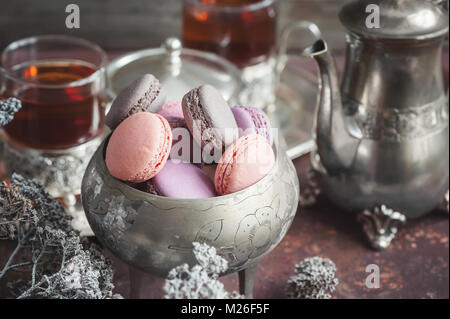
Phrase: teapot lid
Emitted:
{"points": [[398, 19]]}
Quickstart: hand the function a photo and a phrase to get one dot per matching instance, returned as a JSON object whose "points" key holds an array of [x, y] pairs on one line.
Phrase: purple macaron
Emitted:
{"points": [[252, 120], [182, 180], [145, 94]]}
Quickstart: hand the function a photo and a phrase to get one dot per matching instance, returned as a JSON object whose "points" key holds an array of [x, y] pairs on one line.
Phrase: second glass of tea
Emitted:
{"points": [[242, 31], [60, 81]]}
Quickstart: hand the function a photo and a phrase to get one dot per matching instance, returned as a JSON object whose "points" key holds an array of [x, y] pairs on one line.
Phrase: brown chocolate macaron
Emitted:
{"points": [[145, 94], [209, 118]]}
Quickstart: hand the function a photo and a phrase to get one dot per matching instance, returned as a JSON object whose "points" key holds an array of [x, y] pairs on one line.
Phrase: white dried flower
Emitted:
{"points": [[184, 282], [208, 259], [315, 279], [8, 108], [199, 281]]}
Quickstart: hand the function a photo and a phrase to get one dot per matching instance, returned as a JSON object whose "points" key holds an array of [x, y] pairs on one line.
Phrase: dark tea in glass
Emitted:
{"points": [[242, 31], [61, 86], [56, 117]]}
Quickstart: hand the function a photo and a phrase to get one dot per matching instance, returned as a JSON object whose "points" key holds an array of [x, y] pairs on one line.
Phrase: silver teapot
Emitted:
{"points": [[383, 138]]}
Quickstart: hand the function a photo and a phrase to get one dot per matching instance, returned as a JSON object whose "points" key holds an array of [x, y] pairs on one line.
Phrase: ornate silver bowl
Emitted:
{"points": [[155, 233]]}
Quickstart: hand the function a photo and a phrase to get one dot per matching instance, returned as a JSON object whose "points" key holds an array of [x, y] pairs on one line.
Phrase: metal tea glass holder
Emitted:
{"points": [[59, 168]]}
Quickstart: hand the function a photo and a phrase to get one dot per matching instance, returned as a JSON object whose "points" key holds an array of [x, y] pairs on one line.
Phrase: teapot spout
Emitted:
{"points": [[335, 146]]}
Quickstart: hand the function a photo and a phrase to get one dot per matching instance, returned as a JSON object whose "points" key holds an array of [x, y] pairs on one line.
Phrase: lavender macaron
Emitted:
{"points": [[145, 94], [181, 180], [252, 120], [209, 118]]}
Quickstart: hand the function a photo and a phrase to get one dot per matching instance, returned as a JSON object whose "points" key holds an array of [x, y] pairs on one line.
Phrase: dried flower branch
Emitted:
{"points": [[48, 212], [315, 279], [83, 274], [8, 108], [51, 250], [199, 281], [15, 209]]}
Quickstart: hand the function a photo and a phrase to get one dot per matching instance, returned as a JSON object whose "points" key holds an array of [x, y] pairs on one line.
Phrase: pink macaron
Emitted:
{"points": [[139, 147], [172, 109], [245, 162]]}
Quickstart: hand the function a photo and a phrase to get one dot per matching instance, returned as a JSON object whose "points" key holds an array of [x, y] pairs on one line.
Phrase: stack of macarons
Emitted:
{"points": [[195, 148]]}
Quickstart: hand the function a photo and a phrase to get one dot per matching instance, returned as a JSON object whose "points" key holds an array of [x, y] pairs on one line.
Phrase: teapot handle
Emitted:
{"points": [[268, 76], [282, 53], [282, 57]]}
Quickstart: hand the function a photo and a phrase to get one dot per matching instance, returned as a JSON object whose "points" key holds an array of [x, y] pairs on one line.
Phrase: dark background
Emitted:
{"points": [[132, 24]]}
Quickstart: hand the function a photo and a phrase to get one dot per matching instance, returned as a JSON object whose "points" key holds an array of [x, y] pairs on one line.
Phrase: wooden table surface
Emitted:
{"points": [[415, 266]]}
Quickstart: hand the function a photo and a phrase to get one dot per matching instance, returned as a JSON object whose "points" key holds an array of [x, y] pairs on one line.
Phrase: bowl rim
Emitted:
{"points": [[99, 157]]}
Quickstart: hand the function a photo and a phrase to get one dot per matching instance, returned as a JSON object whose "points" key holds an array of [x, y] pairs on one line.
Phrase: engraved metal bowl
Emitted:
{"points": [[156, 233]]}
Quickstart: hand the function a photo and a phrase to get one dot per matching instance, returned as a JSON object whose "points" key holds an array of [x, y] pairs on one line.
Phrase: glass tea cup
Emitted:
{"points": [[60, 81], [242, 31], [246, 33]]}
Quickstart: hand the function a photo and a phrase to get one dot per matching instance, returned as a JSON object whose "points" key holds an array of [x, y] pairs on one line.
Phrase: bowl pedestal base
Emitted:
{"points": [[246, 281]]}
